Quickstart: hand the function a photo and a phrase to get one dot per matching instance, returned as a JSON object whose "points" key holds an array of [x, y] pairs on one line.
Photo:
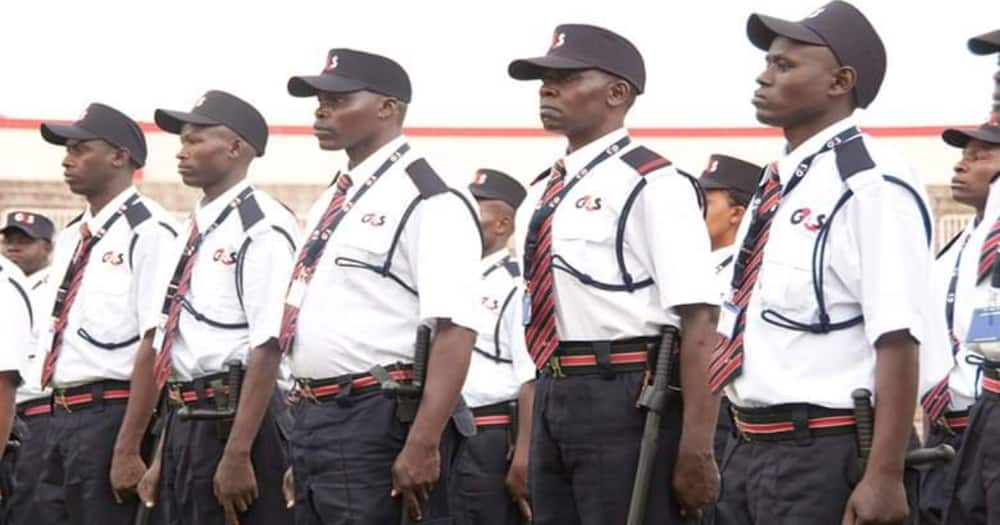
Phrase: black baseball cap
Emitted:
{"points": [[218, 108], [102, 122], [579, 46], [34, 225], [349, 70], [985, 44], [842, 28], [497, 185], [988, 132], [739, 177]]}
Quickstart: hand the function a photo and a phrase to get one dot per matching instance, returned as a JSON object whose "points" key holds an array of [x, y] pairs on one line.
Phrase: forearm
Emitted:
{"points": [[255, 396], [525, 410], [8, 390], [141, 399], [698, 337], [446, 370], [895, 402]]}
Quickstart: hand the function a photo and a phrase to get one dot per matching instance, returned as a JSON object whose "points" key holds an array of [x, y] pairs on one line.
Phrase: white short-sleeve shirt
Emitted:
{"points": [[16, 316]]}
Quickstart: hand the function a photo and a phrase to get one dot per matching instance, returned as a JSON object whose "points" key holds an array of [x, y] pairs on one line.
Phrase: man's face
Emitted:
{"points": [[980, 162], [27, 253], [88, 164], [206, 155], [722, 215], [571, 101], [345, 119], [796, 84]]}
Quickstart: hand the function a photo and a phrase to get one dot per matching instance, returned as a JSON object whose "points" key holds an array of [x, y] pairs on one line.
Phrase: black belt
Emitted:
{"points": [[991, 382], [90, 394], [603, 358], [190, 392], [328, 389], [35, 407], [497, 414], [798, 422], [953, 422]]}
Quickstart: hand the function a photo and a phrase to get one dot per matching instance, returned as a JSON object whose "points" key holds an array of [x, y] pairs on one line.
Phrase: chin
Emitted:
{"points": [[330, 145], [768, 118]]}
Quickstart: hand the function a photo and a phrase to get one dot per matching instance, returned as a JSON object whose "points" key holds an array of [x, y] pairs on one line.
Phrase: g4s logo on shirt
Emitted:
{"points": [[805, 217], [373, 219], [224, 257], [112, 258], [589, 203], [490, 303]]}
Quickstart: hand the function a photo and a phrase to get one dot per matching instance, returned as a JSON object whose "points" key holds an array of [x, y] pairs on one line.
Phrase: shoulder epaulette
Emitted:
{"points": [[137, 214], [250, 212], [427, 181], [512, 268], [853, 158], [644, 160]]}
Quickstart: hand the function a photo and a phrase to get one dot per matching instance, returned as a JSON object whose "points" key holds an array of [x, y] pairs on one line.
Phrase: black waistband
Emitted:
{"points": [[635, 344], [502, 408], [95, 388], [202, 382], [25, 406], [604, 364], [799, 422]]}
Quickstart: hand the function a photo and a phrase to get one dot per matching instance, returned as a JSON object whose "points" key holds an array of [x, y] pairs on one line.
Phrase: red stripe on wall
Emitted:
{"points": [[508, 133]]}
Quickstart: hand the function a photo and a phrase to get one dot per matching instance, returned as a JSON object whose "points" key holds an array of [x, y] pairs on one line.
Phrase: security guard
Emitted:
{"points": [[28, 243], [392, 248], [616, 249], [217, 334], [490, 480], [728, 183], [969, 482], [104, 268], [17, 317], [824, 304]]}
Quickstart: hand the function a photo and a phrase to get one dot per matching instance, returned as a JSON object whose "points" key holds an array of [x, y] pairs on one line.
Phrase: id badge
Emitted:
{"points": [[296, 292], [985, 325], [526, 308], [728, 315]]}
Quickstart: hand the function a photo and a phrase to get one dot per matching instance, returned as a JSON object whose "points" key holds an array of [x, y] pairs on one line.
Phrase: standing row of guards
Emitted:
{"points": [[397, 364]]}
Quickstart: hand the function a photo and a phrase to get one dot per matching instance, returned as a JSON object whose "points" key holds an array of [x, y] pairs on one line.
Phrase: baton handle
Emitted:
{"points": [[864, 420], [941, 454]]}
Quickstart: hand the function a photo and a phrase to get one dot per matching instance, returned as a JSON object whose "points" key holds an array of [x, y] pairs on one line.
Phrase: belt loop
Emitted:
{"points": [[97, 391], [341, 397], [198, 385], [800, 422], [602, 350]]}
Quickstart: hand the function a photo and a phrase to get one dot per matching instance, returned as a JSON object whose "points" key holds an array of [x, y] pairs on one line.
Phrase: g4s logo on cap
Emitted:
{"points": [[802, 216], [589, 203], [712, 166], [479, 179], [816, 13], [558, 39], [200, 102], [331, 62], [24, 217]]}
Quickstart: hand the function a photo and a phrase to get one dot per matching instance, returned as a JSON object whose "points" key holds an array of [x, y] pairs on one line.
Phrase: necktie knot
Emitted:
{"points": [[85, 232], [344, 182]]}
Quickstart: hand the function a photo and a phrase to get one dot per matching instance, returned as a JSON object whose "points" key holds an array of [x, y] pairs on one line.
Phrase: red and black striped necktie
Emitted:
{"points": [[164, 358], [988, 253], [77, 267], [541, 334]]}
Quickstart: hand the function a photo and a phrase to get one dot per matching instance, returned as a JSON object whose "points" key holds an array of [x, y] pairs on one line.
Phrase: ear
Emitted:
{"points": [[843, 82], [736, 214], [619, 93], [235, 148], [120, 157], [505, 225], [388, 108]]}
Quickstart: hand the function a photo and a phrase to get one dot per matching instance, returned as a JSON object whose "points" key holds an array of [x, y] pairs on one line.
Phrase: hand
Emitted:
{"points": [[147, 486], [414, 473], [127, 470], [288, 488], [517, 483], [235, 485], [877, 500], [696, 478]]}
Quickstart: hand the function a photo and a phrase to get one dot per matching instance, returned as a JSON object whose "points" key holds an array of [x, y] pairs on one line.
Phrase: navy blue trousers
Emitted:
{"points": [[974, 483], [478, 488], [933, 479], [27, 459]]}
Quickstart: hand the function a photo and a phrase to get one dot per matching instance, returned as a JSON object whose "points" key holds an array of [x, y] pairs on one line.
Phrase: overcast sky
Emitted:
{"points": [[140, 55]]}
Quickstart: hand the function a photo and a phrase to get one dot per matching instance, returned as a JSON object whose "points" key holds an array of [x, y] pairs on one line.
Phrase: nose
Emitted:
{"points": [[548, 89], [961, 166], [765, 78], [67, 162]]}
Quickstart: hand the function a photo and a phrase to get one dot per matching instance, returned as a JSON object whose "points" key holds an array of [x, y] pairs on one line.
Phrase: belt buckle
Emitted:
{"points": [[59, 399], [306, 391], [555, 367], [943, 423], [175, 393]]}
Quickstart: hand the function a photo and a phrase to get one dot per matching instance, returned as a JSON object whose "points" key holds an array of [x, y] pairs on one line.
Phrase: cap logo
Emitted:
{"points": [[994, 120], [331, 63], [480, 179], [713, 165], [817, 12], [200, 102], [558, 39], [24, 217]]}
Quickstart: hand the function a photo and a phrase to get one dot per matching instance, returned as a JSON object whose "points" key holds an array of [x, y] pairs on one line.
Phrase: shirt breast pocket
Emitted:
{"points": [[786, 284], [216, 299], [583, 244], [365, 238], [109, 319]]}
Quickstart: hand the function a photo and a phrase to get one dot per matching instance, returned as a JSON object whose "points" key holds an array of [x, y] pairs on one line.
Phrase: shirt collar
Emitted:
{"points": [[95, 222], [367, 167], [578, 159], [206, 213], [790, 160], [493, 258]]}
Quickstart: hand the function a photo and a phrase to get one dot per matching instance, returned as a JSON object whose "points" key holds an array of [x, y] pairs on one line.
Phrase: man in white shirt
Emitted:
{"points": [[28, 243], [219, 314], [100, 302], [829, 292], [491, 470], [393, 251], [616, 252]]}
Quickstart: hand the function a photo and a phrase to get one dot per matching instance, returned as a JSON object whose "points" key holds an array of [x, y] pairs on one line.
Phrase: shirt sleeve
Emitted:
{"points": [[448, 249], [266, 270], [668, 233], [894, 257], [513, 329], [150, 261]]}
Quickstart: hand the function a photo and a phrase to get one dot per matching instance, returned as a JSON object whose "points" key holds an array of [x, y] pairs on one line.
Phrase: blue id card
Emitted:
{"points": [[985, 325], [728, 315]]}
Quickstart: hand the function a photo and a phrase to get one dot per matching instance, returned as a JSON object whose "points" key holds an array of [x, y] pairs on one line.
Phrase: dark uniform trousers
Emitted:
{"points": [[190, 457], [478, 488], [24, 466], [790, 483], [974, 483], [75, 485], [342, 455], [933, 479], [585, 449]]}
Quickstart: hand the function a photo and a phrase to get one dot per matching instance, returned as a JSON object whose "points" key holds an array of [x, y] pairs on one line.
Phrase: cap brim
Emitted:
{"points": [[309, 86], [173, 121], [710, 183], [959, 138], [762, 29], [22, 229], [58, 133], [985, 44], [534, 68]]}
